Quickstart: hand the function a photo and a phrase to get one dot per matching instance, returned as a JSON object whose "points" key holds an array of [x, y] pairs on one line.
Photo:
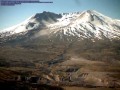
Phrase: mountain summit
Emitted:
{"points": [[86, 24]]}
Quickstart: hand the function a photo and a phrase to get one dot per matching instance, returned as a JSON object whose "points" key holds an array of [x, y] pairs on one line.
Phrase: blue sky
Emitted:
{"points": [[12, 15]]}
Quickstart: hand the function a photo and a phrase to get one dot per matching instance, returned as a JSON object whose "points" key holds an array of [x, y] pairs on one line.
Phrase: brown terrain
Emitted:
{"points": [[76, 66]]}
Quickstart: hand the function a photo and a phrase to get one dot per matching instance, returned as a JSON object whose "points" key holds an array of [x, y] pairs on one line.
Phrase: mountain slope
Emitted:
{"points": [[66, 26], [86, 25]]}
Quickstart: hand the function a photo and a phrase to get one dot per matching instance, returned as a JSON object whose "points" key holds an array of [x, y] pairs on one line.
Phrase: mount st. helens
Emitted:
{"points": [[80, 48], [65, 26]]}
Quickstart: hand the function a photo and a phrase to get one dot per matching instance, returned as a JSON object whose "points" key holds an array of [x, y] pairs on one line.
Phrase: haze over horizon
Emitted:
{"points": [[12, 15]]}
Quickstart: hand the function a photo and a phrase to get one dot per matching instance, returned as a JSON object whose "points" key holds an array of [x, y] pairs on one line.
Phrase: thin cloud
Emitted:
{"points": [[77, 2]]}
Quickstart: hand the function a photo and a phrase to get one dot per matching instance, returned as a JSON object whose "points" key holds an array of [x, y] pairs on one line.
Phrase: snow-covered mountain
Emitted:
{"points": [[86, 24], [36, 21]]}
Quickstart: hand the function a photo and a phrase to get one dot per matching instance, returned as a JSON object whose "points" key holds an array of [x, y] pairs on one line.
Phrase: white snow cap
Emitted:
{"points": [[84, 24]]}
